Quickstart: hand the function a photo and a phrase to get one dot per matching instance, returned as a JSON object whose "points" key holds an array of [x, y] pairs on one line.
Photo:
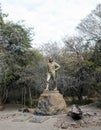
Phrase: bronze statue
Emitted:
{"points": [[52, 67]]}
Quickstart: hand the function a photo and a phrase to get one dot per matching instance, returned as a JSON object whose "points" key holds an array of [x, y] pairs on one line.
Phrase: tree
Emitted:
{"points": [[77, 67], [96, 57], [97, 75], [51, 49], [90, 26], [15, 53], [30, 75]]}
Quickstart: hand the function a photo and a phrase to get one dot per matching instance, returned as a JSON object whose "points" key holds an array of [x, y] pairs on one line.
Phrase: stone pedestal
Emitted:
{"points": [[50, 103]]}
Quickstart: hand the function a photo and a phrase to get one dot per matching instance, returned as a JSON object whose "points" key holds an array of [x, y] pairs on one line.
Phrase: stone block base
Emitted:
{"points": [[50, 103]]}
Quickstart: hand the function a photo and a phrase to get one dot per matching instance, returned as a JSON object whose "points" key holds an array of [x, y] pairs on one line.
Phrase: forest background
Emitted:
{"points": [[23, 68]]}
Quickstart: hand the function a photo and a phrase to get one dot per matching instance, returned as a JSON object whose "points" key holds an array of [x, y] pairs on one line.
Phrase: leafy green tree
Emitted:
{"points": [[97, 75], [15, 54], [96, 58], [77, 73], [97, 53]]}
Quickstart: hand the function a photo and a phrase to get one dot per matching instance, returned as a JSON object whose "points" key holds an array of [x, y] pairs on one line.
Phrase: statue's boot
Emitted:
{"points": [[47, 87], [55, 89], [55, 84]]}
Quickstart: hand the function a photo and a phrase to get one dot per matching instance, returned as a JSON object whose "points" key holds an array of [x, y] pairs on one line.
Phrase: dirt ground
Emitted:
{"points": [[91, 118], [11, 118]]}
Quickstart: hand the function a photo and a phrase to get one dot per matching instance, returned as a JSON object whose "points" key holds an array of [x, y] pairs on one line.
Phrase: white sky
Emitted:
{"points": [[52, 19]]}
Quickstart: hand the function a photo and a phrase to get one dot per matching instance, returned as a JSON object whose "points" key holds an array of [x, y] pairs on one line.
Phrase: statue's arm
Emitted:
{"points": [[57, 66]]}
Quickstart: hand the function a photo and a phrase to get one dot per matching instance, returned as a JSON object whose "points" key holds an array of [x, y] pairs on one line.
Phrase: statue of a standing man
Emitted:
{"points": [[52, 67]]}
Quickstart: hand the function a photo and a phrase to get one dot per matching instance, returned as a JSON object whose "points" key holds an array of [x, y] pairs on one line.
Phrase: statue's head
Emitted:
{"points": [[50, 59]]}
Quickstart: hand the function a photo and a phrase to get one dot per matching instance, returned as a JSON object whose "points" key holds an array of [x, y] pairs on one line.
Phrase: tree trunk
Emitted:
{"points": [[80, 94], [1, 105], [30, 97]]}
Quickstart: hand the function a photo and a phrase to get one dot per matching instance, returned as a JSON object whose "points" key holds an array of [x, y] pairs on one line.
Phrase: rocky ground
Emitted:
{"points": [[91, 118], [12, 118]]}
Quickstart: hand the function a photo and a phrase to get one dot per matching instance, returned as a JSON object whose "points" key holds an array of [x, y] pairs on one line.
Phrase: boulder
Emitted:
{"points": [[75, 112], [50, 103]]}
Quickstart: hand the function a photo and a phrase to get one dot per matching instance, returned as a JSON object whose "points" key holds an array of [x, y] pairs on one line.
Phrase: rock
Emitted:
{"points": [[75, 112], [25, 110], [91, 117], [50, 103]]}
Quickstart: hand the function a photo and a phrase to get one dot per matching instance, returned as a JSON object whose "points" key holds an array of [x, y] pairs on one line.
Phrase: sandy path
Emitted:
{"points": [[8, 124], [47, 125]]}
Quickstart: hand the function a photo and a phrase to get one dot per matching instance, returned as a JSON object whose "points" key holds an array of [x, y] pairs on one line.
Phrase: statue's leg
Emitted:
{"points": [[55, 83], [47, 84]]}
